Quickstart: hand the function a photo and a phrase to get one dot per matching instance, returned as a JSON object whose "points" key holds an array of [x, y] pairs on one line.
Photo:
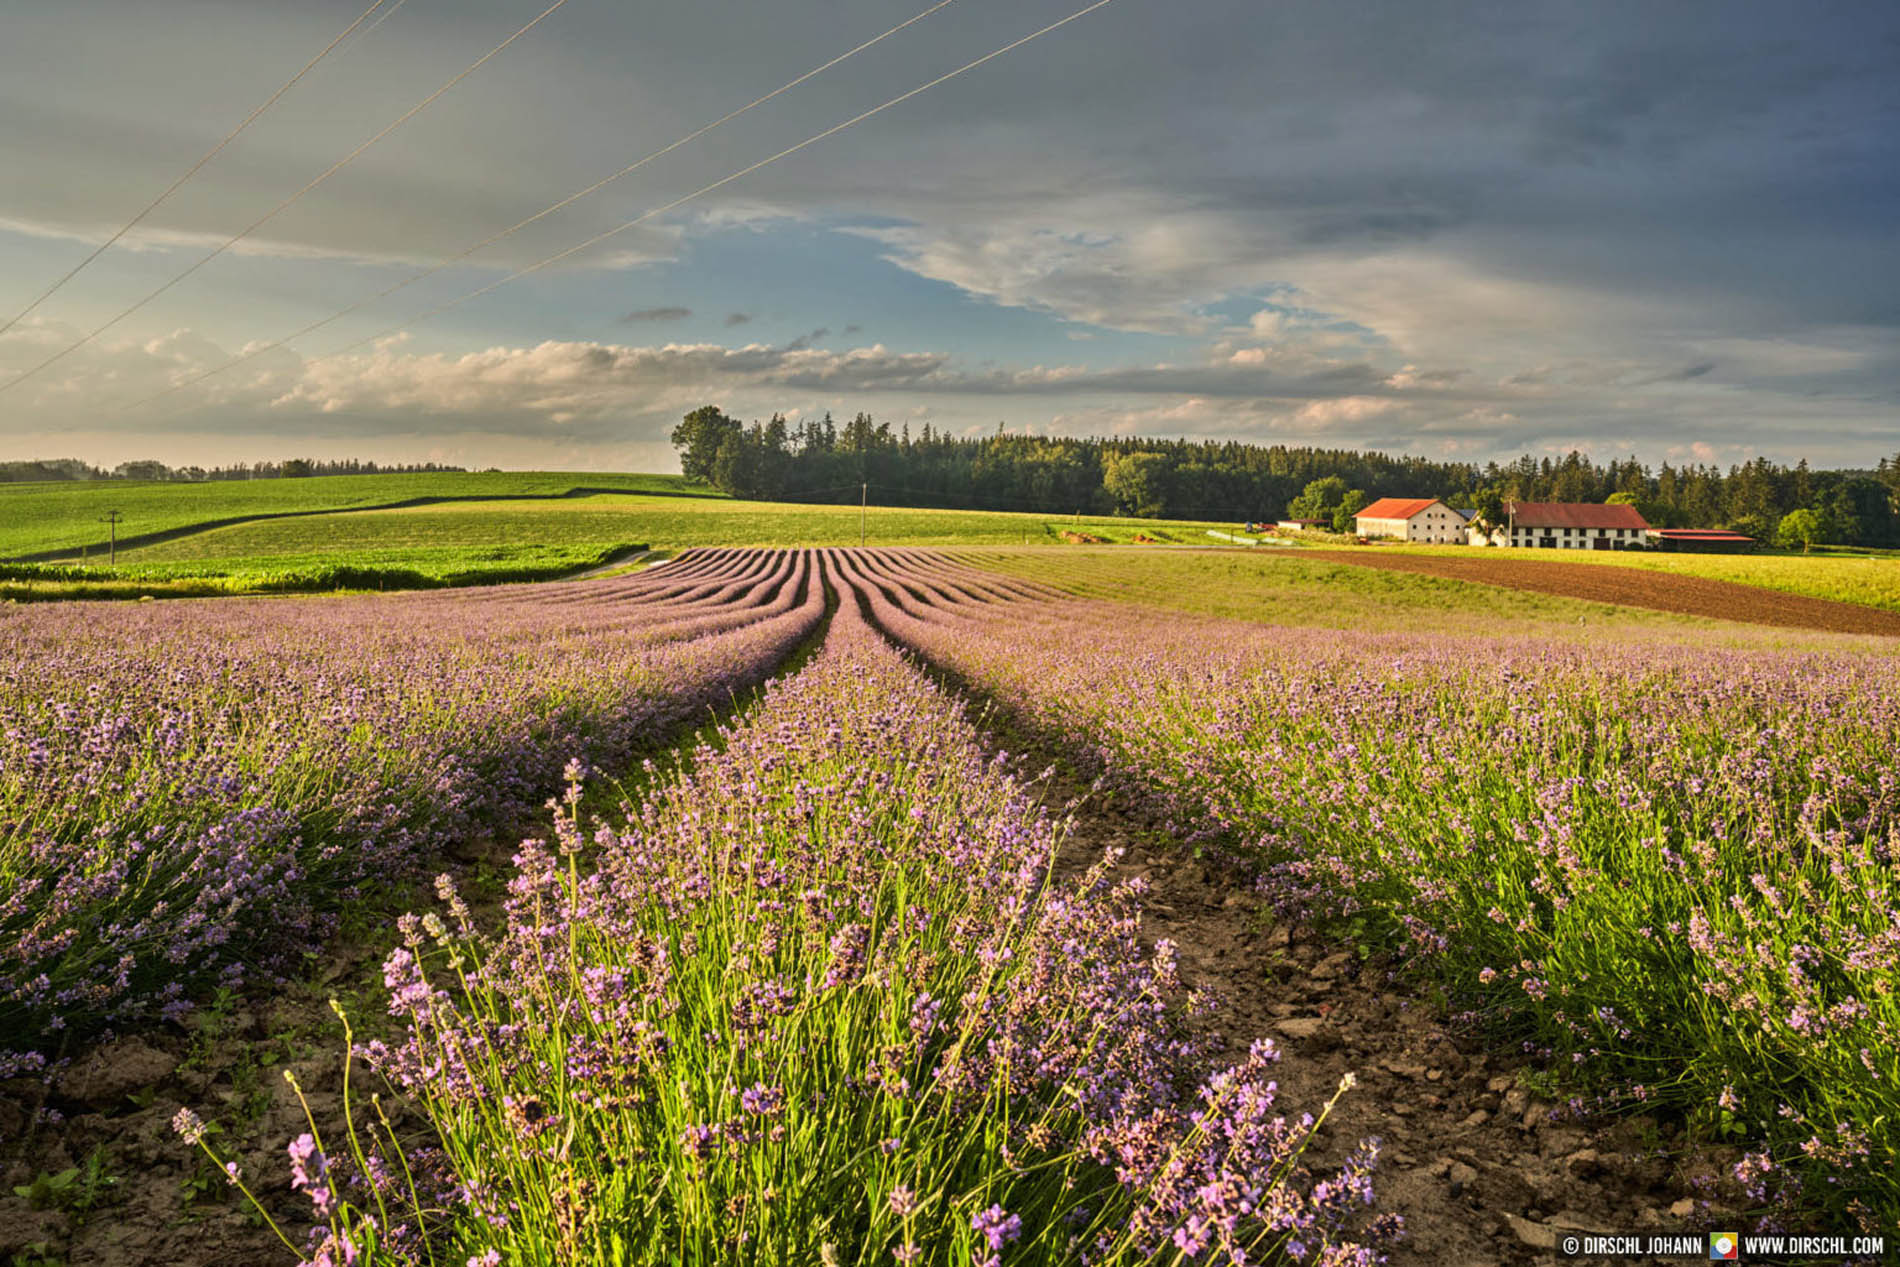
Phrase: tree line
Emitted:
{"points": [[57, 469], [821, 460]]}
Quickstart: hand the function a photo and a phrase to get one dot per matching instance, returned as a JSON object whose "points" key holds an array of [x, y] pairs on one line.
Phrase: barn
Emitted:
{"points": [[1412, 519], [1567, 526]]}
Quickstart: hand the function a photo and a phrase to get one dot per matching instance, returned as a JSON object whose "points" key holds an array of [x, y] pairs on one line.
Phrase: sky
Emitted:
{"points": [[1461, 230]]}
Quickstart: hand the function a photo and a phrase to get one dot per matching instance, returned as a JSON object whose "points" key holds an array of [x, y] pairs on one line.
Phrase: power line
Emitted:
{"points": [[539, 215], [206, 157], [283, 206], [393, 10], [727, 180]]}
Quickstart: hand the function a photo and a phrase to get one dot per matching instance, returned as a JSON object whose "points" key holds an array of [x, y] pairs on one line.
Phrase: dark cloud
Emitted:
{"points": [[852, 329], [1374, 226], [804, 341], [737, 319], [656, 314]]}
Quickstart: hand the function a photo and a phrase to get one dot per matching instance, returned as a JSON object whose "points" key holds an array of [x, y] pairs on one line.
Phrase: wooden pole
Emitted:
{"points": [[864, 502], [111, 518]]}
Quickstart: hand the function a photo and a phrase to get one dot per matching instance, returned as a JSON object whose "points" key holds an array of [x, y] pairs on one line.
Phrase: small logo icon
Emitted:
{"points": [[1725, 1246]]}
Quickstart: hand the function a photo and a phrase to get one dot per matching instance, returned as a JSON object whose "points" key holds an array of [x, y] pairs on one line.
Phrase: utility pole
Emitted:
{"points": [[864, 502], [111, 519]]}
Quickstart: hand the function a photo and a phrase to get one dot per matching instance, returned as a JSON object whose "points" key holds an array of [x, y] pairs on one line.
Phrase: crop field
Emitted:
{"points": [[1298, 587], [1871, 579], [194, 788], [57, 520], [1669, 872], [1471, 592], [1005, 907], [476, 529], [421, 567], [664, 521]]}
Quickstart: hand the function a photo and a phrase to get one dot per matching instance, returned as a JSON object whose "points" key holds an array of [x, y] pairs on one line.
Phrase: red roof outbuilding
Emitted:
{"points": [[1395, 507], [1574, 515]]}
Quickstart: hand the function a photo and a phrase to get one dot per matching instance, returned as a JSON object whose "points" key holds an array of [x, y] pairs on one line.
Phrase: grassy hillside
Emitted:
{"points": [[663, 522], [37, 518], [524, 529]]}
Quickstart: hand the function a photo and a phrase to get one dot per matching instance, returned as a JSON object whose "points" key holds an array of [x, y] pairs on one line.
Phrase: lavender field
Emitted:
{"points": [[1667, 873], [191, 791], [844, 981]]}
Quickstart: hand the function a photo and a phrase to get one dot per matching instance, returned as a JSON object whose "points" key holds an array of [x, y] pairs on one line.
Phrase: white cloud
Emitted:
{"points": [[1126, 261], [148, 239], [1345, 409]]}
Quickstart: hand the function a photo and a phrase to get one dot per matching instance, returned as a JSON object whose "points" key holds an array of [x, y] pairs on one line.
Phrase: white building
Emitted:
{"points": [[1567, 526], [1412, 519]]}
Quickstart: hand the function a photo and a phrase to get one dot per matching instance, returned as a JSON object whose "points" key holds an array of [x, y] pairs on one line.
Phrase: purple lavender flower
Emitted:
{"points": [[997, 1226], [189, 1126]]}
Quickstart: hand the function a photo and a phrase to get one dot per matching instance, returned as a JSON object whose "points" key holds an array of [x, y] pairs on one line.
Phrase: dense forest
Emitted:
{"points": [[291, 468], [819, 460]]}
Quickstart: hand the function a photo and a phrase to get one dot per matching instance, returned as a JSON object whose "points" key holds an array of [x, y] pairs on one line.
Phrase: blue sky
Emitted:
{"points": [[1456, 229]]}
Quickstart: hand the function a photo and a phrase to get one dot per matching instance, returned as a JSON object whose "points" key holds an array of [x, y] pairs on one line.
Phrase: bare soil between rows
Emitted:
{"points": [[1636, 587], [1484, 1172]]}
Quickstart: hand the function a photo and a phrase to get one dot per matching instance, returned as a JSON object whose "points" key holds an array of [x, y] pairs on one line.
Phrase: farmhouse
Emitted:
{"points": [[1412, 519], [1301, 525], [1567, 526]]}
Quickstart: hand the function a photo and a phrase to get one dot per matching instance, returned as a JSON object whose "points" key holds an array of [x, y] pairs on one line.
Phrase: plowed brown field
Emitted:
{"points": [[1635, 587]]}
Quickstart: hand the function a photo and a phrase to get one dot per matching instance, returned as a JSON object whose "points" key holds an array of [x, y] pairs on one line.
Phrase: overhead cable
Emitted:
{"points": [[727, 180], [260, 349], [288, 202], [193, 170]]}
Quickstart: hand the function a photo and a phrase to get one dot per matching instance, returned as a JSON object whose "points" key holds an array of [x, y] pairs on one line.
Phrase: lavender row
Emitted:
{"points": [[820, 1000], [187, 788], [1671, 872]]}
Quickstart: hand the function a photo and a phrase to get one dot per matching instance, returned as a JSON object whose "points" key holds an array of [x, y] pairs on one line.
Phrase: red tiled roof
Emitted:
{"points": [[1395, 507], [1573, 515], [1699, 534]]}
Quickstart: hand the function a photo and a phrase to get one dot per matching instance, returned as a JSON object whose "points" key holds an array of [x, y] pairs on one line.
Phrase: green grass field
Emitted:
{"points": [[1871, 580], [1280, 587], [664, 522], [313, 542], [422, 568], [38, 518], [1284, 588]]}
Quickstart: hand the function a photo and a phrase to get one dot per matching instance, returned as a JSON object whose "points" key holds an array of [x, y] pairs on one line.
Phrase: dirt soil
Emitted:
{"points": [[1482, 1170], [160, 1203], [1636, 587]]}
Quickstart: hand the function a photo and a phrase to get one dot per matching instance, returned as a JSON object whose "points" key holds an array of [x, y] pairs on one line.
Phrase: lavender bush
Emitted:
{"points": [[190, 787]]}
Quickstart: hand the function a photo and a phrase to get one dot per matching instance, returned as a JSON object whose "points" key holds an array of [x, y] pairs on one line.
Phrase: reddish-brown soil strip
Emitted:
{"points": [[1636, 587]]}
